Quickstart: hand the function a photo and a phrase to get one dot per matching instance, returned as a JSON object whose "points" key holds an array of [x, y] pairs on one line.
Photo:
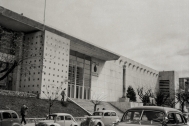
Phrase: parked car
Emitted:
{"points": [[152, 115], [101, 118], [9, 118], [58, 119]]}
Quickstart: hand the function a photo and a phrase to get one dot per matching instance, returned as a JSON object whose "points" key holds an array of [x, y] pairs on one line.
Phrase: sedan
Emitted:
{"points": [[152, 115], [58, 119]]}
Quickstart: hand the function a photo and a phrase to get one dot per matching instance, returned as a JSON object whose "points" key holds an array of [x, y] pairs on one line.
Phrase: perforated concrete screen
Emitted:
{"points": [[31, 70], [55, 65]]}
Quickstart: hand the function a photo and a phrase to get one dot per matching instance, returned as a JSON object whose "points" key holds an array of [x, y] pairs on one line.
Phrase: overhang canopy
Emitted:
{"points": [[17, 22]]}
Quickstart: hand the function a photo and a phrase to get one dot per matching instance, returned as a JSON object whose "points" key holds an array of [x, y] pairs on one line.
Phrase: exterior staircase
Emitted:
{"points": [[89, 106]]}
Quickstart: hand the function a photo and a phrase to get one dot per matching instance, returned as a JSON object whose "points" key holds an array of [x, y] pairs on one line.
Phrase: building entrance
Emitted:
{"points": [[79, 86]]}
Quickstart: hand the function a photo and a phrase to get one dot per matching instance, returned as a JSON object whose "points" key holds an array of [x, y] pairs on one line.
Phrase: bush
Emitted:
{"points": [[64, 103], [131, 94]]}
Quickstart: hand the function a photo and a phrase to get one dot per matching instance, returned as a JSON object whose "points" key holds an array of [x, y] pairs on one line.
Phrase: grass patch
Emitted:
{"points": [[38, 108]]}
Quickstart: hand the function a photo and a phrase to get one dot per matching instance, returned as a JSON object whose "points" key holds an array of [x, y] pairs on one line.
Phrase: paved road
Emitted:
{"points": [[30, 124]]}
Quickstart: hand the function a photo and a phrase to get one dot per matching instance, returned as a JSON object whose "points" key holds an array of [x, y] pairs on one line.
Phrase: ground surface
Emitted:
{"points": [[38, 108]]}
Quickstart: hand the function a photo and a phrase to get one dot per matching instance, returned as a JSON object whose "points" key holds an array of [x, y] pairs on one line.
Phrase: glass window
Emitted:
{"points": [[132, 116], [98, 113], [51, 117], [107, 114], [151, 117], [68, 118], [171, 118], [14, 115], [179, 118], [6, 115], [113, 114], [61, 117]]}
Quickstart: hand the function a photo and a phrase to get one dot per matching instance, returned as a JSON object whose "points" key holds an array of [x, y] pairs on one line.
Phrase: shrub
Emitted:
{"points": [[131, 94], [64, 103]]}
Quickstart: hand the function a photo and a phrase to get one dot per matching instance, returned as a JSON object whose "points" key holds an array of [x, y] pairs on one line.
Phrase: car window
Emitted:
{"points": [[61, 117], [68, 118], [152, 115], [107, 114], [113, 114], [171, 118], [98, 113], [6, 115], [132, 116], [51, 117], [14, 115], [179, 118]]}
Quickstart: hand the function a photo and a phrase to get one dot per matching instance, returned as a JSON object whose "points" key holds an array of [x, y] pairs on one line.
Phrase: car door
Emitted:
{"points": [[6, 119], [106, 119], [113, 117], [176, 119], [180, 120], [68, 120]]}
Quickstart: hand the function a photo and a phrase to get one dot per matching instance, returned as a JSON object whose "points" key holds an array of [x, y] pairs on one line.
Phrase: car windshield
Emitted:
{"points": [[97, 113], [51, 117], [147, 117]]}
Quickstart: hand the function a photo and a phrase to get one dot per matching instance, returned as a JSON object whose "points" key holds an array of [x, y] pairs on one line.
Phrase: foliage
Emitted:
{"points": [[161, 98], [131, 94], [64, 103], [144, 96], [182, 98]]}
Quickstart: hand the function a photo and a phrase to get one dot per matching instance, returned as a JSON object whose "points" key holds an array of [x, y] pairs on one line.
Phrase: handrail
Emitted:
{"points": [[79, 105]]}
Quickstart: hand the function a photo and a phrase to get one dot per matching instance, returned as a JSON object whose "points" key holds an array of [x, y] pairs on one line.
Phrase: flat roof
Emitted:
{"points": [[20, 23]]}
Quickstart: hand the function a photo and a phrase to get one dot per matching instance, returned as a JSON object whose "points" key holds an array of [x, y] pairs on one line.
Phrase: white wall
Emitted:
{"points": [[109, 81]]}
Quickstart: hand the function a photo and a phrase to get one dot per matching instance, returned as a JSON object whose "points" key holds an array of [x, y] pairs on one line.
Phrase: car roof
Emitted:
{"points": [[7, 111], [158, 108], [59, 114], [105, 111]]}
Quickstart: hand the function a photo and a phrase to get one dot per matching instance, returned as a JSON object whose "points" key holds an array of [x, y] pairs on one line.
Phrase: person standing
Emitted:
{"points": [[23, 113], [63, 94]]}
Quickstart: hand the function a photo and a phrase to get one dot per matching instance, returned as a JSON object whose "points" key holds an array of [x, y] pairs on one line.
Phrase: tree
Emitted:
{"points": [[161, 98], [182, 98], [96, 99], [144, 96], [13, 53], [131, 94]]}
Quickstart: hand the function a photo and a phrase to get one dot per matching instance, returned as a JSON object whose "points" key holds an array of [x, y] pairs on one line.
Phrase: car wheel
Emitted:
{"points": [[98, 124]]}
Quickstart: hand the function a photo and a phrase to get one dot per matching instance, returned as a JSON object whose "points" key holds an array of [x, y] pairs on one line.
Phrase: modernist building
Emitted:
{"points": [[53, 60]]}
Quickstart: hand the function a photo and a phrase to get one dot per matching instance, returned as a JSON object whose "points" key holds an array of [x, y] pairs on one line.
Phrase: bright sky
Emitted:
{"points": [[152, 32]]}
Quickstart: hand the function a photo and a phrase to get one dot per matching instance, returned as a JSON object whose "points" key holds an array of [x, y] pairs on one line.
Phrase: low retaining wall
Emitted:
{"points": [[123, 106], [17, 93]]}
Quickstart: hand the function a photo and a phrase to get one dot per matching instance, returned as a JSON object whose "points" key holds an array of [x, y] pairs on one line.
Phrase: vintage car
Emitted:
{"points": [[101, 118], [152, 115], [58, 119], [9, 118]]}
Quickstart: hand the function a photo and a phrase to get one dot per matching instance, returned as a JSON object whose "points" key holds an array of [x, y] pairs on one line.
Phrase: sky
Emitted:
{"points": [[152, 32]]}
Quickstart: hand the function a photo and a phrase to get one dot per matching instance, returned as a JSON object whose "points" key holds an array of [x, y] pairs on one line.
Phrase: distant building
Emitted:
{"points": [[184, 84]]}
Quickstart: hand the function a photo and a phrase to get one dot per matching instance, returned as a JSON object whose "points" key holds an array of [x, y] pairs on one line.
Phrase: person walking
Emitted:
{"points": [[23, 113], [63, 94]]}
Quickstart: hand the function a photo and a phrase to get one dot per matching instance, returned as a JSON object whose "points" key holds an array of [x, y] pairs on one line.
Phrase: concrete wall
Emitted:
{"points": [[123, 106], [109, 78], [55, 65]]}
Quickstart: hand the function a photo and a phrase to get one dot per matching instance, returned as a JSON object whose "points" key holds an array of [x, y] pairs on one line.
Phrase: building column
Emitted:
{"points": [[17, 71], [83, 86], [124, 86]]}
